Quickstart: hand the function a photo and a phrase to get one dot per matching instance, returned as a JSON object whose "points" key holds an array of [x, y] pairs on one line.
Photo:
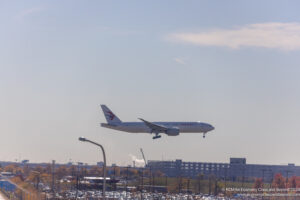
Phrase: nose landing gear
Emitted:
{"points": [[204, 135]]}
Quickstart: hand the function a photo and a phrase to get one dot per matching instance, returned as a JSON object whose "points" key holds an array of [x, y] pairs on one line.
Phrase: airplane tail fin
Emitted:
{"points": [[111, 118]]}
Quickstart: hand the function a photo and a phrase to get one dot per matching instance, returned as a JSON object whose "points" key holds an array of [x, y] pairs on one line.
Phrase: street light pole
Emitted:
{"points": [[83, 139], [37, 182]]}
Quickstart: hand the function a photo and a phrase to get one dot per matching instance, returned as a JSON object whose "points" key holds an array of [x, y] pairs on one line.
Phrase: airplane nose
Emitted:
{"points": [[212, 128]]}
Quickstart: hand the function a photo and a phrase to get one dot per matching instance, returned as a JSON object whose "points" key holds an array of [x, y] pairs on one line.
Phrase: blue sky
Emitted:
{"points": [[233, 64]]}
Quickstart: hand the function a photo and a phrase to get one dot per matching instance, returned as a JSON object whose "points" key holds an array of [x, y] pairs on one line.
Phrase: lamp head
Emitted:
{"points": [[82, 139]]}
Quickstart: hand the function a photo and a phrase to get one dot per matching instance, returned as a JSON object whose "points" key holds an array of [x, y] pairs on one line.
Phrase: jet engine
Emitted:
{"points": [[172, 132]]}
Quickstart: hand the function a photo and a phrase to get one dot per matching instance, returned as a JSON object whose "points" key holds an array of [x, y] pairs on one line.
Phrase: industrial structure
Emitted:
{"points": [[236, 170]]}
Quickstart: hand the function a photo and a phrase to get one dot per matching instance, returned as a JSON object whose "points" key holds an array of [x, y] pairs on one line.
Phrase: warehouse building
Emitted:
{"points": [[236, 169]]}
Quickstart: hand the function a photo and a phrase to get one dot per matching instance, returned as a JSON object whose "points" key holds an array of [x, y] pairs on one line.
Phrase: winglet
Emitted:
{"points": [[142, 119]]}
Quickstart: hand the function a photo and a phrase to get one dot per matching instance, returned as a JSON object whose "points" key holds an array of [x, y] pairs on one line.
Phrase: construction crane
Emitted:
{"points": [[143, 157]]}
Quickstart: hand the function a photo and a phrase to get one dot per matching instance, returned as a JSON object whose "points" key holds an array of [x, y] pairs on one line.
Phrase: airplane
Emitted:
{"points": [[169, 128]]}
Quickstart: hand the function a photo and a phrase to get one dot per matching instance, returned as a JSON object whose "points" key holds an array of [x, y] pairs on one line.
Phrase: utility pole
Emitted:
{"points": [[188, 185], [166, 184], [287, 180], [263, 175], [287, 176], [77, 179], [188, 188], [225, 179], [53, 178], [37, 178], [271, 181], [216, 186], [150, 180], [153, 183], [142, 187], [209, 184], [142, 179], [243, 178], [199, 183], [179, 186], [115, 184], [127, 172], [266, 170]]}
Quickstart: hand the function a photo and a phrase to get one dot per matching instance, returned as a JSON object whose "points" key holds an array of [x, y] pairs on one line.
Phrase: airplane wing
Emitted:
{"points": [[154, 127]]}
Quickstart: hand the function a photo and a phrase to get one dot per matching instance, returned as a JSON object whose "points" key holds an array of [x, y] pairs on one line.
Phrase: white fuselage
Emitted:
{"points": [[140, 127]]}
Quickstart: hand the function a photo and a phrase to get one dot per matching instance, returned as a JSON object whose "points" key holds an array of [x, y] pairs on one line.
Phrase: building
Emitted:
{"points": [[100, 164], [236, 169]]}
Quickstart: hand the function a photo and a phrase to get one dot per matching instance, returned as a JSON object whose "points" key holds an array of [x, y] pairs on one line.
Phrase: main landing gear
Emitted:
{"points": [[156, 136]]}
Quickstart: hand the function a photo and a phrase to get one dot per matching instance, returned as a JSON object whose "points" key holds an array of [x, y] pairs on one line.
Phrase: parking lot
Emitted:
{"points": [[120, 195]]}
